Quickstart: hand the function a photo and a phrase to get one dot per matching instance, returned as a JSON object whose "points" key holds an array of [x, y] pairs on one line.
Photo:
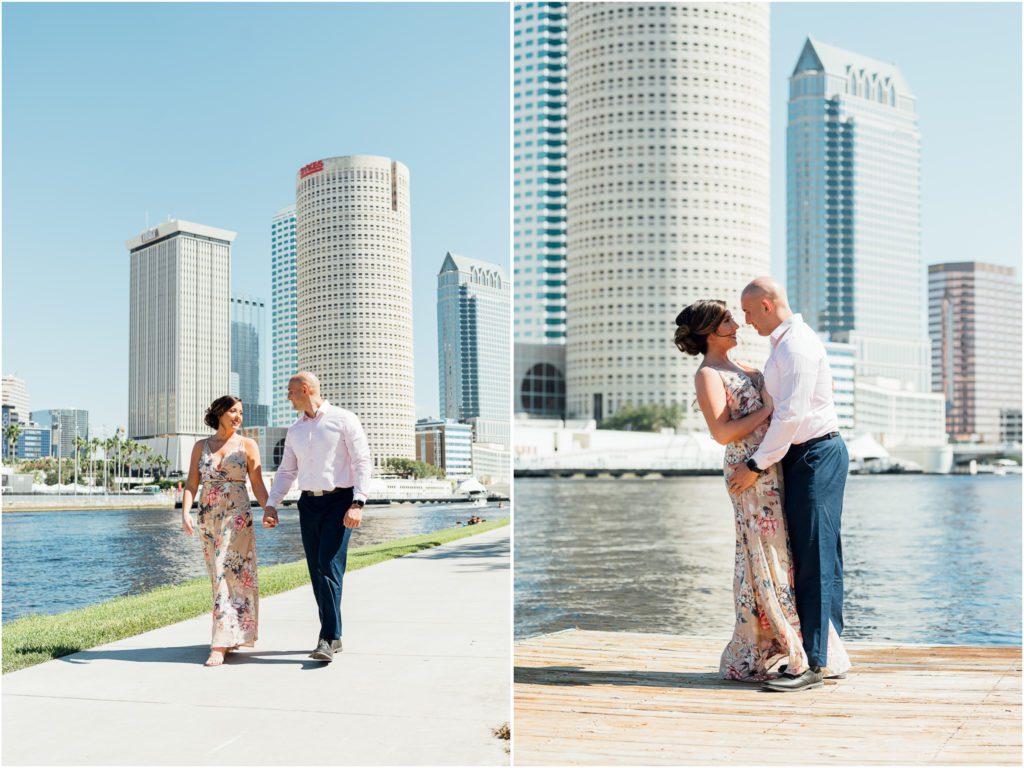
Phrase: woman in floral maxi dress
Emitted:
{"points": [[221, 463], [732, 398]]}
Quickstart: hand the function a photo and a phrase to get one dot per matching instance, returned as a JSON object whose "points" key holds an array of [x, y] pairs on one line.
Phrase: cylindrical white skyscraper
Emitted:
{"points": [[354, 293], [668, 156]]}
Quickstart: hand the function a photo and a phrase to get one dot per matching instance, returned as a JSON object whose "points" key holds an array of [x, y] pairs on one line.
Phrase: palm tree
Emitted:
{"points": [[94, 445], [12, 432]]}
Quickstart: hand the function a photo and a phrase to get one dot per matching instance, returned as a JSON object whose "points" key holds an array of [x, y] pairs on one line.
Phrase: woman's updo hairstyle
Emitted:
{"points": [[696, 322], [218, 408]]}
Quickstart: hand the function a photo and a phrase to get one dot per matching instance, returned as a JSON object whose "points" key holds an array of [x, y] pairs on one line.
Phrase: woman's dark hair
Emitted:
{"points": [[218, 408], [696, 322]]}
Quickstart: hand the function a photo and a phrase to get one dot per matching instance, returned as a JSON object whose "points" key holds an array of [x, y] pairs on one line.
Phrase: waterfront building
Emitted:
{"points": [[248, 325], [66, 424], [842, 362], [492, 465], [353, 267], [472, 346], [853, 226], [179, 353], [33, 442], [539, 193], [271, 444], [15, 394], [897, 415], [284, 315], [974, 319], [667, 193], [446, 444]]}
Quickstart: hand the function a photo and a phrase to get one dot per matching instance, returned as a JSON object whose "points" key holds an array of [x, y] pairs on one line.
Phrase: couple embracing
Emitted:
{"points": [[786, 469]]}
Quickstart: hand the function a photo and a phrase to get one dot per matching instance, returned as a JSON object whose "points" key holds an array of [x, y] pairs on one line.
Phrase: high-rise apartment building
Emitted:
{"points": [[179, 333], [974, 320], [248, 329], [284, 317], [539, 194], [15, 394], [354, 293], [667, 195], [853, 232], [472, 346], [65, 425]]}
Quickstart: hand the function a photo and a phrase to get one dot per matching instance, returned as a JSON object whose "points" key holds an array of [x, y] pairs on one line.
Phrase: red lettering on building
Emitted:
{"points": [[311, 168]]}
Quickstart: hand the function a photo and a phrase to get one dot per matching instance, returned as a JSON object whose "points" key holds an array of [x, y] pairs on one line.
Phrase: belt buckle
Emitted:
{"points": [[318, 493]]}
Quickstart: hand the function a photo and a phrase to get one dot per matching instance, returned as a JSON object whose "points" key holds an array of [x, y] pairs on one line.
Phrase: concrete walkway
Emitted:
{"points": [[424, 677]]}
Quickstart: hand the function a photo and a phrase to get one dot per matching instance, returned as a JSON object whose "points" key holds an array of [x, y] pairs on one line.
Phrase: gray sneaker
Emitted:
{"points": [[787, 683], [325, 649]]}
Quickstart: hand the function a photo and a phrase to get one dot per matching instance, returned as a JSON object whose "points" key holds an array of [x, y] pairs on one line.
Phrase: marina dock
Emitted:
{"points": [[615, 698]]}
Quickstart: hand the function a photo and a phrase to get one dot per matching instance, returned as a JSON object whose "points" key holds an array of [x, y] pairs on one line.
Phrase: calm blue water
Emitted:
{"points": [[928, 559], [58, 561]]}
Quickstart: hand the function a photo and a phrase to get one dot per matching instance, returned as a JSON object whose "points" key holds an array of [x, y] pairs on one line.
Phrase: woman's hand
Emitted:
{"points": [[769, 404], [186, 522]]}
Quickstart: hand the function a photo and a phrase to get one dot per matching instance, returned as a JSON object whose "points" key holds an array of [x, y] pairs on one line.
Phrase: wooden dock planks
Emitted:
{"points": [[610, 698]]}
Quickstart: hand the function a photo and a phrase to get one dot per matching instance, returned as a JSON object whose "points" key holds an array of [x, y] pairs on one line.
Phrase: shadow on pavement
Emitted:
{"points": [[193, 654], [497, 552]]}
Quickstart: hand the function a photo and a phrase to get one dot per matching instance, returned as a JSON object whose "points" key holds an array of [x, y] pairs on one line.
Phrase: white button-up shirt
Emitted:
{"points": [[798, 378], [324, 452]]}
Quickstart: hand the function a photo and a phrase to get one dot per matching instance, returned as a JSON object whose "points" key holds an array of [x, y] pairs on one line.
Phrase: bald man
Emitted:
{"points": [[804, 436], [326, 451]]}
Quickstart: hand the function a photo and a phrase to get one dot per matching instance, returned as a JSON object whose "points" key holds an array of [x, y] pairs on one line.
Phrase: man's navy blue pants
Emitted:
{"points": [[325, 540], [814, 480]]}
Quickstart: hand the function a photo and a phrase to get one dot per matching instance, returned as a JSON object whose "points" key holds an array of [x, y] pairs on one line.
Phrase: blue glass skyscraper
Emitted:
{"points": [[248, 331], [472, 344], [853, 153], [284, 333], [539, 157]]}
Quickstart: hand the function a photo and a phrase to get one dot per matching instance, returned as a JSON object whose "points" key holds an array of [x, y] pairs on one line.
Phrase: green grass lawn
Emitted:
{"points": [[35, 639]]}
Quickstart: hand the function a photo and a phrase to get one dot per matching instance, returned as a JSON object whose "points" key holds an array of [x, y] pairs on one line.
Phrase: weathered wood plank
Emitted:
{"points": [[607, 698]]}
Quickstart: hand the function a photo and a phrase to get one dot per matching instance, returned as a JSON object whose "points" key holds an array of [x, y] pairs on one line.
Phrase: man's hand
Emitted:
{"points": [[740, 478], [270, 517], [354, 517]]}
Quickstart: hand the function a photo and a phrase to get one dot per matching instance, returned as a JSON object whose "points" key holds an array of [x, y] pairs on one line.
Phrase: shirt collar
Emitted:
{"points": [[316, 415], [785, 325]]}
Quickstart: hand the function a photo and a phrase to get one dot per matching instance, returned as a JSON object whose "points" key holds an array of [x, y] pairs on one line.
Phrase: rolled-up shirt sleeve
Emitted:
{"points": [[359, 456], [798, 379], [285, 476]]}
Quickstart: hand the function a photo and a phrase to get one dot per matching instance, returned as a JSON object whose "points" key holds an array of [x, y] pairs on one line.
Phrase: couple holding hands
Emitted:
{"points": [[327, 453]]}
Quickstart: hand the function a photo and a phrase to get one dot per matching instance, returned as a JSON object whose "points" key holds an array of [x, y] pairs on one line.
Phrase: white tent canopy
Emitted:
{"points": [[470, 486], [865, 447]]}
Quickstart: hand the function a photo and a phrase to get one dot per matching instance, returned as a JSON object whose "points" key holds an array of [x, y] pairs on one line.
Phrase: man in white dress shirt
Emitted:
{"points": [[326, 451], [804, 436]]}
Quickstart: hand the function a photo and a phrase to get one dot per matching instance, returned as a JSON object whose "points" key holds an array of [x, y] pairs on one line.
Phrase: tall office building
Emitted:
{"points": [[284, 317], [248, 329], [15, 394], [472, 346], [179, 334], [974, 320], [668, 164], [853, 230], [354, 293], [65, 425], [539, 228]]}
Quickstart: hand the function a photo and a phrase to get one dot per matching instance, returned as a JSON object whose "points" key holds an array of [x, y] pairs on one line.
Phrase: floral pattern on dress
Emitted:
{"points": [[767, 631], [229, 548]]}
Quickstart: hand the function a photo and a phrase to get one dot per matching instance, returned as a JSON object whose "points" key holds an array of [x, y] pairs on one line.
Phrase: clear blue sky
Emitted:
{"points": [[205, 113], [963, 63]]}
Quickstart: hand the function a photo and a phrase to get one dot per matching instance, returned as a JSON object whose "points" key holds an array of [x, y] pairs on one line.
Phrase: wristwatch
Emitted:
{"points": [[753, 467], [357, 503]]}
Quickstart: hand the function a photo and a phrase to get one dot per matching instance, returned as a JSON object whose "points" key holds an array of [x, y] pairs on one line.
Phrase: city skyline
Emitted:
{"points": [[264, 94]]}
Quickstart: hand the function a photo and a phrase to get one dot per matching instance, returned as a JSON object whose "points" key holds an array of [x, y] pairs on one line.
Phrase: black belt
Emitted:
{"points": [[814, 440], [326, 493]]}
